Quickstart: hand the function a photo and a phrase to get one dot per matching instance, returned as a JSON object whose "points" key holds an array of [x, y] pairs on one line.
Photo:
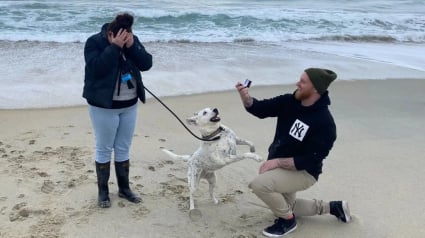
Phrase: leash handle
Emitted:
{"points": [[193, 134]]}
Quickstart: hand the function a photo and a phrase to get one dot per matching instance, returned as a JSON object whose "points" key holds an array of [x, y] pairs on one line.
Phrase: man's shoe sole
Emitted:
{"points": [[346, 211]]}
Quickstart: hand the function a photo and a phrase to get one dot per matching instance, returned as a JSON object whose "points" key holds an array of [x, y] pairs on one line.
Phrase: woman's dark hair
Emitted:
{"points": [[123, 20]]}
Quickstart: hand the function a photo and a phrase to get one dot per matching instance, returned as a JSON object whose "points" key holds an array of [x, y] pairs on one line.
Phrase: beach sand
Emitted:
{"points": [[48, 180]]}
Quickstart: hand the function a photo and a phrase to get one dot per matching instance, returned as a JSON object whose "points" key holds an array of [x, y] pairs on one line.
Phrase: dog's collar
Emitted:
{"points": [[213, 136]]}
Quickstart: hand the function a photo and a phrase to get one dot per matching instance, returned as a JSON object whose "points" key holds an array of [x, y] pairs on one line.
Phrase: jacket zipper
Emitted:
{"points": [[119, 75], [119, 83]]}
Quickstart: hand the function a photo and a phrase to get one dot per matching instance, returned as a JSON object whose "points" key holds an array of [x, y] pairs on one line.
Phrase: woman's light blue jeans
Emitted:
{"points": [[113, 130]]}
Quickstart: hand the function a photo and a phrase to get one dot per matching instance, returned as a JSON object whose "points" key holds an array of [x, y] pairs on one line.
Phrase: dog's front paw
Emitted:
{"points": [[258, 158], [215, 201], [254, 157]]}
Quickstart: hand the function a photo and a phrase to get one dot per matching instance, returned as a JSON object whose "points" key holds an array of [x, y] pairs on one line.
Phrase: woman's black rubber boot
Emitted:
{"points": [[103, 171], [122, 171]]}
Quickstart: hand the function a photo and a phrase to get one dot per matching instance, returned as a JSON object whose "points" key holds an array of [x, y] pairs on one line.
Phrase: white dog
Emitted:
{"points": [[217, 152]]}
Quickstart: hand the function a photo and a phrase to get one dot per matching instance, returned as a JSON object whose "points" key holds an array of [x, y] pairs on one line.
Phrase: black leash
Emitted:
{"points": [[193, 134]]}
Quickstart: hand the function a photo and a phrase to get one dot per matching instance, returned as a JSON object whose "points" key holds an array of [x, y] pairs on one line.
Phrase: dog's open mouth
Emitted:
{"points": [[215, 118]]}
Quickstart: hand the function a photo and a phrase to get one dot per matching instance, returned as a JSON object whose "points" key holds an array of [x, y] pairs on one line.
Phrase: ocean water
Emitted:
{"points": [[208, 45]]}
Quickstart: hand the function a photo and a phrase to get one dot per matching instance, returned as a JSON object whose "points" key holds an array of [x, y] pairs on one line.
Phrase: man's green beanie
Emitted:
{"points": [[321, 78]]}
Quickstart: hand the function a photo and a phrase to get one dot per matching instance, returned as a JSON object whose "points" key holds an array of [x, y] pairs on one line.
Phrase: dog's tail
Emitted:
{"points": [[175, 156]]}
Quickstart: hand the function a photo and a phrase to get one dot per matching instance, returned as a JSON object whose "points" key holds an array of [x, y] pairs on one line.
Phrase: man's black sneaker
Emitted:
{"points": [[280, 227], [340, 210]]}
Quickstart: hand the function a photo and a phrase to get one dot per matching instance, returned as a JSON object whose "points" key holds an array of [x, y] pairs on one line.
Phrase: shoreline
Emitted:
{"points": [[51, 75], [49, 185], [149, 97]]}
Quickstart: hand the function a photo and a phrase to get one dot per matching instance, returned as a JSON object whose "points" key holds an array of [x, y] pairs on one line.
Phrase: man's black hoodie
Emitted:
{"points": [[305, 133]]}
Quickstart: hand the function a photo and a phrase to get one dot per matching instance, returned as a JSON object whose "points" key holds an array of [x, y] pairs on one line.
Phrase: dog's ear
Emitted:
{"points": [[192, 121]]}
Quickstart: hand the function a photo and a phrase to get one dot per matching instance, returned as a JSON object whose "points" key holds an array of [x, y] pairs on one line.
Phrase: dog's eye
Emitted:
{"points": [[205, 113]]}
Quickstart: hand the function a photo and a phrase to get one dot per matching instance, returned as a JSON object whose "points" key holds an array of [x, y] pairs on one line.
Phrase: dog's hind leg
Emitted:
{"points": [[193, 180], [191, 199], [194, 174], [212, 180]]}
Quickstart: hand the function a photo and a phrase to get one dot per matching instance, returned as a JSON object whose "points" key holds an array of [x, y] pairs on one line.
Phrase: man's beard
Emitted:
{"points": [[300, 96]]}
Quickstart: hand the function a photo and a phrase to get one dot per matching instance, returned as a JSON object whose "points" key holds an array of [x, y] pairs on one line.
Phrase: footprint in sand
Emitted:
{"points": [[47, 186], [231, 197], [3, 211], [21, 214], [140, 212], [18, 211]]}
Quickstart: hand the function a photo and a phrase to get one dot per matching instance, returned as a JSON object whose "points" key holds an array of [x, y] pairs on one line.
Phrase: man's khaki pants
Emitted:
{"points": [[277, 189]]}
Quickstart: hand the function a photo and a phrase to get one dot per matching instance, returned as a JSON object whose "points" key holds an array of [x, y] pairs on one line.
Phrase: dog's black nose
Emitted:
{"points": [[215, 110]]}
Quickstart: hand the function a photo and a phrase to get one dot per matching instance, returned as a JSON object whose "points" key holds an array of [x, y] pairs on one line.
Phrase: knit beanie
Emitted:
{"points": [[321, 78]]}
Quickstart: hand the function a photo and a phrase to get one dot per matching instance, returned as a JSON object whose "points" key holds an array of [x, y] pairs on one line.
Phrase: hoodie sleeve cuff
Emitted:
{"points": [[299, 162]]}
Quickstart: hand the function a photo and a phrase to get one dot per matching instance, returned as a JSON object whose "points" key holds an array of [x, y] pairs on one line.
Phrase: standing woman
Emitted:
{"points": [[112, 87]]}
